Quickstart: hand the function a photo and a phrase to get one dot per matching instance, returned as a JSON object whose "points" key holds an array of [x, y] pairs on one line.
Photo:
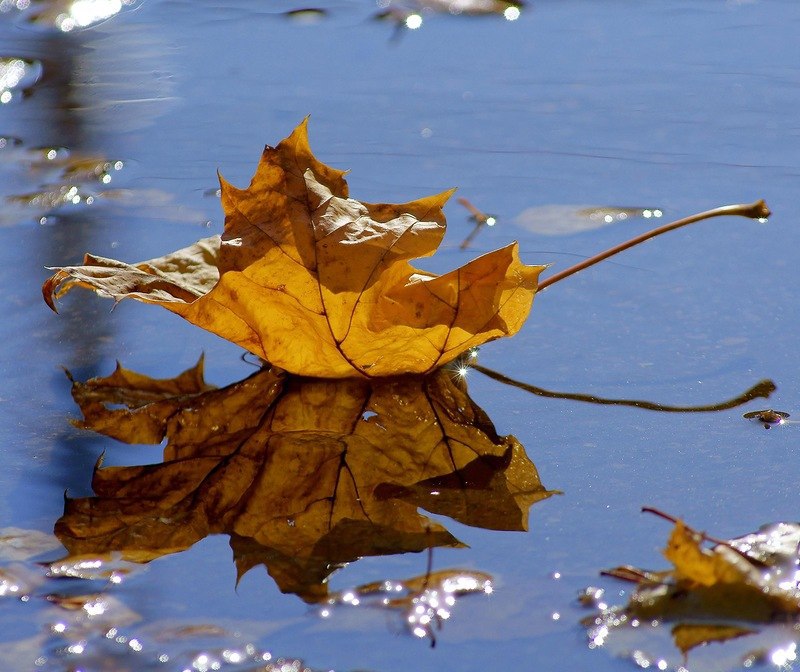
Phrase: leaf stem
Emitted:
{"points": [[702, 535], [756, 210]]}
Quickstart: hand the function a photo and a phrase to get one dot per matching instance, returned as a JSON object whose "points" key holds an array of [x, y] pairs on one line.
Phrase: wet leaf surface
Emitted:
{"points": [[742, 594], [319, 284]]}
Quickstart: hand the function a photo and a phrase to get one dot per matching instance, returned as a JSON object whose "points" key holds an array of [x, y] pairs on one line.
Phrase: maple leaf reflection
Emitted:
{"points": [[303, 474]]}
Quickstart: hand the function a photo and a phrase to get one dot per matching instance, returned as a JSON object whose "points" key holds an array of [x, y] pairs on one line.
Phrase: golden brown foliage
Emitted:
{"points": [[303, 474], [320, 284]]}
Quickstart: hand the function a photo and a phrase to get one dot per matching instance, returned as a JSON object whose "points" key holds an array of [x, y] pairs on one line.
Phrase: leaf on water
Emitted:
{"points": [[320, 284], [562, 220], [303, 474], [691, 635], [716, 592], [424, 601], [20, 544]]}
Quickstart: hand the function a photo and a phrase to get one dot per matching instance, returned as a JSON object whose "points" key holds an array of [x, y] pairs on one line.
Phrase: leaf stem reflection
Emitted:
{"points": [[762, 389]]}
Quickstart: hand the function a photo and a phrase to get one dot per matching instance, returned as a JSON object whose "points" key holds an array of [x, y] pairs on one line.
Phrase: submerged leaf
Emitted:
{"points": [[303, 474], [320, 284]]}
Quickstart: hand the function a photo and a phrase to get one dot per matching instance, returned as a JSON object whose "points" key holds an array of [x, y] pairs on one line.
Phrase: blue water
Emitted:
{"points": [[679, 105]]}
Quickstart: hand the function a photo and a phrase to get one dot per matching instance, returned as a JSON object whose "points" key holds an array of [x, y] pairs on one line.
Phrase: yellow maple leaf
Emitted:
{"points": [[320, 284]]}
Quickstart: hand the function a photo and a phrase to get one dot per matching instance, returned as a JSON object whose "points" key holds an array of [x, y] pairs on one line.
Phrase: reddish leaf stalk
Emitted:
{"points": [[757, 210]]}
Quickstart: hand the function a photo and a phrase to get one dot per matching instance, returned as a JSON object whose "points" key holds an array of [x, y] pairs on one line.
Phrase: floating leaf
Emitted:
{"points": [[319, 284], [20, 544], [717, 592], [303, 474]]}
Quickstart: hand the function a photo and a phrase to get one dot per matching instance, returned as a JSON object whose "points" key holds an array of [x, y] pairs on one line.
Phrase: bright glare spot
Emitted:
{"points": [[95, 608], [83, 13], [51, 154], [106, 178], [118, 165], [59, 627], [413, 21], [426, 132], [608, 219], [661, 664], [462, 371], [420, 632], [11, 72], [232, 656], [511, 13], [784, 657], [163, 658], [136, 645], [491, 221], [76, 648], [325, 613], [762, 220], [556, 575], [555, 616], [5, 97]]}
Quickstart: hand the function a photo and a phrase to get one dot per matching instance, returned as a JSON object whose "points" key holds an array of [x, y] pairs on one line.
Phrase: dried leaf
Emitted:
{"points": [[303, 474], [716, 592], [320, 284], [690, 636]]}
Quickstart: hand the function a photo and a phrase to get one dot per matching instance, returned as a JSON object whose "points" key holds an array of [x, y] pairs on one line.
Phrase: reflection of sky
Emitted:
{"points": [[676, 104]]}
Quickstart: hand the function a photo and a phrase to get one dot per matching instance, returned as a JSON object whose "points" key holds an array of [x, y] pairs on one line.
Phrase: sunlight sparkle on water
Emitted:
{"points": [[510, 14], [84, 13], [784, 658], [9, 5], [413, 21]]}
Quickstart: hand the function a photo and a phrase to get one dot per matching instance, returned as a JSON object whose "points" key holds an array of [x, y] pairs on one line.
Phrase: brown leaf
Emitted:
{"points": [[688, 636], [320, 284], [299, 472]]}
